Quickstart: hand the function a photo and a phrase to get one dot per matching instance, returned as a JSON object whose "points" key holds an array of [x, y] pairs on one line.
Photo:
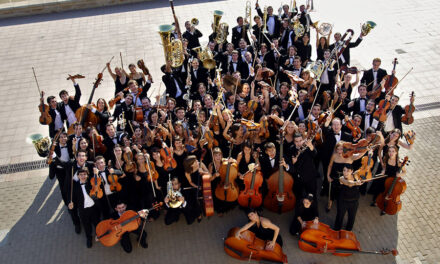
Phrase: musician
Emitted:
{"points": [[286, 12], [266, 58], [344, 58], [346, 84], [190, 210], [374, 76], [306, 210], [111, 139], [327, 77], [303, 167], [120, 209], [286, 35], [75, 138], [55, 112], [322, 43], [119, 77], [175, 88], [69, 104], [192, 35], [304, 49], [124, 113], [273, 24], [101, 111], [243, 47], [263, 229], [237, 65], [348, 200], [87, 209], [367, 116], [358, 105], [394, 114], [257, 32], [304, 19], [303, 108], [198, 75], [240, 32]]}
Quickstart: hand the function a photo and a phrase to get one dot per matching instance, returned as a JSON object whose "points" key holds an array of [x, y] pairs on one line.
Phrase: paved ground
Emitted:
{"points": [[34, 227]]}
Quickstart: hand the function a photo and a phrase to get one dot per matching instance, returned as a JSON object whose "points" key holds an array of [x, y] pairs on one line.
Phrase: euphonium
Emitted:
{"points": [[173, 50], [206, 57], [172, 196], [42, 144], [367, 27]]}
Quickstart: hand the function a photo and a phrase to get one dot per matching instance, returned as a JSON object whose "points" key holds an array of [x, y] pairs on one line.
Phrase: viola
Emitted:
{"points": [[144, 69], [169, 163], [45, 118], [251, 197], [410, 136], [320, 238], [129, 166], [390, 80], [381, 112], [389, 201], [96, 191], [115, 186], [83, 114], [153, 175], [52, 147], [313, 128], [227, 189], [364, 172], [356, 132], [113, 101], [408, 118], [251, 247], [280, 197], [264, 128], [109, 232]]}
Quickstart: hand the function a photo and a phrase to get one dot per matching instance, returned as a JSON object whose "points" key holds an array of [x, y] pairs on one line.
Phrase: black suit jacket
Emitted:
{"points": [[368, 78], [304, 167], [356, 108], [236, 36], [193, 39], [202, 77], [170, 84], [328, 146], [276, 32], [241, 67], [266, 166], [73, 103], [362, 126], [71, 169], [346, 52]]}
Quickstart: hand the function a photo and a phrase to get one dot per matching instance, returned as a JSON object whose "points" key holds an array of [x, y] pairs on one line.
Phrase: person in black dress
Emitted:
{"points": [[306, 210]]}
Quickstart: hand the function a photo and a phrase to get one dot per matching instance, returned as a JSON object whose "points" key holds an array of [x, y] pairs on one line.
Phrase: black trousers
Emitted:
{"points": [[349, 207], [126, 242], [191, 212], [107, 204], [89, 216]]}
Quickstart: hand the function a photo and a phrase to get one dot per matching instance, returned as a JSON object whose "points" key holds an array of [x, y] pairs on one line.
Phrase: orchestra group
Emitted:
{"points": [[256, 123]]}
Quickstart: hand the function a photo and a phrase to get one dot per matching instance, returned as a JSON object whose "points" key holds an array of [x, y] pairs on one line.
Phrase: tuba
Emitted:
{"points": [[206, 57], [367, 27], [324, 29], [41, 144], [173, 49], [173, 195], [221, 29]]}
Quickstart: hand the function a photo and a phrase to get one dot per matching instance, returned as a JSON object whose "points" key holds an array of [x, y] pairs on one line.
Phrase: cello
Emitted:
{"points": [[250, 197], [109, 232], [320, 238], [389, 201], [280, 197], [251, 247], [227, 189]]}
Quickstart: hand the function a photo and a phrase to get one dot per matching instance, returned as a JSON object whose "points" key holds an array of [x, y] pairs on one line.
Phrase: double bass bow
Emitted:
{"points": [[250, 197], [280, 197]]}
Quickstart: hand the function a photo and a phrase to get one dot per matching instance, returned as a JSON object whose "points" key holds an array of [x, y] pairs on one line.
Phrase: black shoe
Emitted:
{"points": [[363, 193], [382, 213], [373, 204], [77, 229], [144, 244], [199, 219], [89, 243]]}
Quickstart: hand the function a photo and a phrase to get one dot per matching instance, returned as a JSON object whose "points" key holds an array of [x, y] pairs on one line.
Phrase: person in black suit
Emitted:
{"points": [[111, 138], [266, 58], [304, 19], [303, 166], [124, 114], [394, 120], [75, 138], [120, 209], [304, 107], [243, 48], [286, 34], [358, 105], [237, 65], [60, 159], [331, 136], [328, 79], [192, 35], [55, 112], [367, 116], [273, 24], [174, 86], [189, 208], [344, 58], [87, 209], [373, 76], [69, 104], [304, 49], [239, 32], [198, 75], [269, 160]]}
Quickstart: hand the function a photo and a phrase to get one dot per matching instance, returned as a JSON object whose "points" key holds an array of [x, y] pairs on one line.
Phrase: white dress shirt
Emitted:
{"points": [[88, 202]]}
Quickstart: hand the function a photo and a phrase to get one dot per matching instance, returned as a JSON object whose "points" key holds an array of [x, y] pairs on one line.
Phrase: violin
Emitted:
{"points": [[320, 238], [381, 112], [115, 186], [83, 114], [141, 65], [408, 118], [251, 247], [227, 189], [313, 128], [348, 148], [345, 69], [356, 132], [113, 101], [410, 136], [293, 77], [109, 232], [52, 147], [169, 163], [251, 108], [129, 166], [264, 128], [96, 191], [250, 125], [389, 201], [152, 172], [209, 136], [98, 146], [45, 118], [280, 197], [390, 80], [364, 172], [251, 197], [311, 92]]}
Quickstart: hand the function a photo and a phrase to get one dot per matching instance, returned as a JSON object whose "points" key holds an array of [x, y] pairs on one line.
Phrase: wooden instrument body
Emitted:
{"points": [[390, 80], [96, 191], [99, 147], [109, 232], [129, 165], [264, 128], [138, 114], [276, 201], [207, 195], [45, 118], [251, 197], [169, 163], [408, 118], [227, 189], [115, 186], [349, 148], [381, 112], [320, 238], [393, 204], [364, 172], [250, 244]]}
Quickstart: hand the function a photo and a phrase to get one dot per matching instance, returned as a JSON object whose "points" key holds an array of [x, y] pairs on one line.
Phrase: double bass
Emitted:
{"points": [[389, 201], [251, 247], [320, 238], [280, 197], [109, 232], [251, 197], [227, 189]]}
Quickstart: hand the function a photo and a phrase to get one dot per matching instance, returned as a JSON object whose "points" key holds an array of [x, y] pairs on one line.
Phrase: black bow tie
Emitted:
{"points": [[82, 183], [374, 71], [338, 134], [367, 114], [271, 159], [63, 147]]}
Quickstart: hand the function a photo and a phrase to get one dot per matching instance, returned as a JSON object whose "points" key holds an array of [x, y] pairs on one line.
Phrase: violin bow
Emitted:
{"points": [[392, 88], [36, 81], [71, 187], [120, 55]]}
